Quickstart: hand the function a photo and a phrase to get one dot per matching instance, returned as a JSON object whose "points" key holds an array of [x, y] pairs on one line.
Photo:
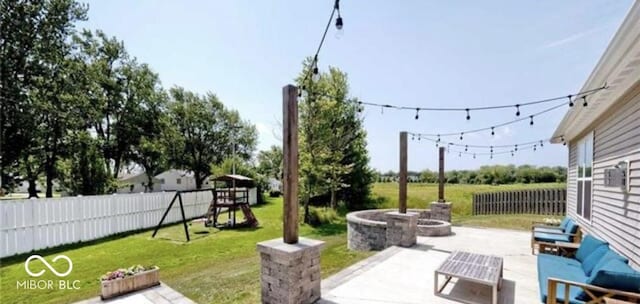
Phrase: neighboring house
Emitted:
{"points": [[603, 135], [174, 179], [136, 183]]}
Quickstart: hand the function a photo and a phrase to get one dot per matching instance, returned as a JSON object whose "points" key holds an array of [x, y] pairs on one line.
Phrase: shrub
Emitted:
{"points": [[321, 216]]}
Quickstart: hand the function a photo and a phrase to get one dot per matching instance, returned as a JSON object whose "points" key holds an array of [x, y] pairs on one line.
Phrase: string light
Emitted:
{"points": [[457, 133], [417, 113], [570, 100], [531, 122], [511, 153], [438, 137], [461, 134], [474, 156], [584, 104], [492, 132], [534, 147], [541, 144], [468, 110], [488, 147], [516, 147], [491, 149], [339, 23], [466, 148]]}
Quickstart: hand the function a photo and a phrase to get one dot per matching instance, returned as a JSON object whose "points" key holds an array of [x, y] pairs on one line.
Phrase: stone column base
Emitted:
{"points": [[290, 273], [441, 211], [401, 228]]}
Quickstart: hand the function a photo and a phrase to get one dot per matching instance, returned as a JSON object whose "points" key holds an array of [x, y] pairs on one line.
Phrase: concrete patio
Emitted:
{"points": [[161, 294], [406, 275]]}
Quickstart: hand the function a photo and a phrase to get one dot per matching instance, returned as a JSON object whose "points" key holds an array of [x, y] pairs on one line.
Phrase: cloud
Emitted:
{"points": [[569, 39]]}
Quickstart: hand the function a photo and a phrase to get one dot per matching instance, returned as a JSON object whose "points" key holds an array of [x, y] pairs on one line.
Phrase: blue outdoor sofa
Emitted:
{"points": [[568, 231], [596, 272]]}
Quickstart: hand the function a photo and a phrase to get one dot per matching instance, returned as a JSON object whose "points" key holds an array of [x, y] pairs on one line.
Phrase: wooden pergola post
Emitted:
{"points": [[441, 175], [402, 200], [290, 153]]}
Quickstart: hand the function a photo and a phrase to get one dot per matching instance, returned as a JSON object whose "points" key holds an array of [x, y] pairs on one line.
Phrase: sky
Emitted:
{"points": [[412, 53]]}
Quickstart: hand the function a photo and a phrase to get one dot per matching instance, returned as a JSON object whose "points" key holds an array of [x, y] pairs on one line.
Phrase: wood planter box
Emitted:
{"points": [[114, 288]]}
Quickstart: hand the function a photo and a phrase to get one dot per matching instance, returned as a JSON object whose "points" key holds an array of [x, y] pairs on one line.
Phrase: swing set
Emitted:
{"points": [[232, 196]]}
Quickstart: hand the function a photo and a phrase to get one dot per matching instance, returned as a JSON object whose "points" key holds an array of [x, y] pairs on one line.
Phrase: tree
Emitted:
{"points": [[207, 132], [84, 172], [333, 154], [36, 85], [270, 162]]}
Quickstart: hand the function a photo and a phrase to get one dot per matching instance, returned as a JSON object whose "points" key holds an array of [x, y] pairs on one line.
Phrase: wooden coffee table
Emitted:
{"points": [[473, 267]]}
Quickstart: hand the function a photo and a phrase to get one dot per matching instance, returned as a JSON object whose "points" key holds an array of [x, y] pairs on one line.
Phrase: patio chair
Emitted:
{"points": [[570, 234], [595, 274], [538, 226]]}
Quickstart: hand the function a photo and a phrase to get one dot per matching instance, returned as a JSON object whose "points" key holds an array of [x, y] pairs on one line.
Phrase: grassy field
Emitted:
{"points": [[421, 195], [215, 267]]}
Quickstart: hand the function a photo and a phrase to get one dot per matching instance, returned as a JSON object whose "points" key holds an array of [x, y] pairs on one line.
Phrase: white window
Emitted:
{"points": [[585, 176]]}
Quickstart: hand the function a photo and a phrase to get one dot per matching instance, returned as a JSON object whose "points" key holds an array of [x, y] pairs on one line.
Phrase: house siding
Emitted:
{"points": [[615, 214]]}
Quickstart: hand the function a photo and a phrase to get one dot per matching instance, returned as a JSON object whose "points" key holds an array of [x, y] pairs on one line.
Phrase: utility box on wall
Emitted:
{"points": [[618, 176]]}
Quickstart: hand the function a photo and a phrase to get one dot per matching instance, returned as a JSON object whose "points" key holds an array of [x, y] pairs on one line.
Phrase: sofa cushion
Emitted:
{"points": [[587, 247], [572, 227], [615, 274], [548, 229], [550, 266], [592, 259], [608, 255], [564, 222], [551, 237]]}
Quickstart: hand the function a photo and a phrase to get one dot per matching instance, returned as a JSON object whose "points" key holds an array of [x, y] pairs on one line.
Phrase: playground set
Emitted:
{"points": [[233, 195]]}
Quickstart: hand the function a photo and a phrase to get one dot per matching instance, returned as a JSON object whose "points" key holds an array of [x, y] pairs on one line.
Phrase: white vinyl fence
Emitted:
{"points": [[33, 224]]}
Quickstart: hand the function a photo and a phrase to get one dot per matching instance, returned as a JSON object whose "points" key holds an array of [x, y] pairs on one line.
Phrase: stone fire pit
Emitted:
{"points": [[366, 230]]}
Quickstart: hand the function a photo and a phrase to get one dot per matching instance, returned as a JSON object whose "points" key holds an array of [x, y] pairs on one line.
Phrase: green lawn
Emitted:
{"points": [[421, 195], [215, 267]]}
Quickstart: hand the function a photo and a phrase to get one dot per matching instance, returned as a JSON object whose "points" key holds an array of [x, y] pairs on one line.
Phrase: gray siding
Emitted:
{"points": [[615, 214]]}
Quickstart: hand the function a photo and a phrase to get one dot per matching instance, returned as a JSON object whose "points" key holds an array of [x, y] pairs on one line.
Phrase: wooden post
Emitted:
{"points": [[402, 200], [290, 154], [441, 176]]}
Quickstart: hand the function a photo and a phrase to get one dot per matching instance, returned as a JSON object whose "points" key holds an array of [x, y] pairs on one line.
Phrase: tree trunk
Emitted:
{"points": [[199, 180], [333, 199], [307, 218], [49, 184], [149, 182], [32, 188]]}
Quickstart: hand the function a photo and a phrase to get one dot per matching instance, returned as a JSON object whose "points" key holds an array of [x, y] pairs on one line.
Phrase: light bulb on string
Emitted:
{"points": [[339, 22], [417, 113], [466, 148], [511, 153], [517, 110], [492, 131], [316, 74], [570, 100], [419, 137], [491, 149], [516, 147], [474, 156], [534, 147], [413, 137], [531, 122], [468, 116], [541, 144], [359, 106], [438, 137], [461, 134], [584, 98]]}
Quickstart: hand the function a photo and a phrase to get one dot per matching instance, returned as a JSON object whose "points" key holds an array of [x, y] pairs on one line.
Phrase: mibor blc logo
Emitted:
{"points": [[41, 259], [30, 266]]}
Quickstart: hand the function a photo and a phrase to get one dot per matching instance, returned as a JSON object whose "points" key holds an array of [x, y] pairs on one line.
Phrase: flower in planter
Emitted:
{"points": [[122, 273]]}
